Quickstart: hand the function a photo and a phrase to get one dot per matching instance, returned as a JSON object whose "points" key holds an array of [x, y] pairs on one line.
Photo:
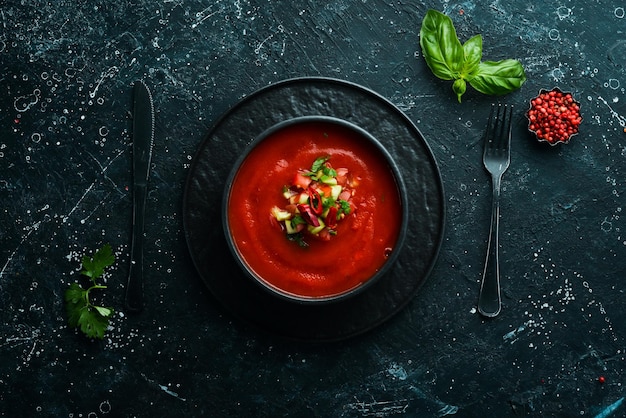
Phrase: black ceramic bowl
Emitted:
{"points": [[536, 119], [320, 271]]}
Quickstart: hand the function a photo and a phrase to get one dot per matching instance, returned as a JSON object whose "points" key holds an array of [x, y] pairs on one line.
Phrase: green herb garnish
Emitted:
{"points": [[344, 207], [91, 319], [298, 238], [448, 59], [318, 163]]}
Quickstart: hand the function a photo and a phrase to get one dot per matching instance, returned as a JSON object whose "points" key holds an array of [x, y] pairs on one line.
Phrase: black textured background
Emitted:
{"points": [[66, 70]]}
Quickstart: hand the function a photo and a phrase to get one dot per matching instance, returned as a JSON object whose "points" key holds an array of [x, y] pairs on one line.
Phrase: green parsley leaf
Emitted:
{"points": [[75, 294], [328, 202], [345, 206], [92, 323], [104, 312], [75, 300], [93, 267], [297, 220], [318, 163], [92, 320], [330, 172]]}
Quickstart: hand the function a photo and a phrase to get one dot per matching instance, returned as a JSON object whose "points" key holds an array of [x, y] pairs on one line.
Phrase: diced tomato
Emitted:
{"points": [[342, 176], [324, 235], [300, 180], [345, 195]]}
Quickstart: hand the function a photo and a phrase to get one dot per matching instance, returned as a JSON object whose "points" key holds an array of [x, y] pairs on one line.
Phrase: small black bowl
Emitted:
{"points": [[368, 139], [530, 122]]}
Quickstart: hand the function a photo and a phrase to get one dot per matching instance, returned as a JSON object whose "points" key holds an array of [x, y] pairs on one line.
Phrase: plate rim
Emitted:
{"points": [[410, 125]]}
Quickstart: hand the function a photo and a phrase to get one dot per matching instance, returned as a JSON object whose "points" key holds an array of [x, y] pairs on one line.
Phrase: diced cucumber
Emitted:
{"points": [[335, 191], [316, 229], [288, 193], [304, 197], [280, 215], [330, 180], [291, 229]]}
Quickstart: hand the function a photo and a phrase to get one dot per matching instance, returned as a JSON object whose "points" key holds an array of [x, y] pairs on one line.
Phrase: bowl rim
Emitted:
{"points": [[301, 299], [530, 106]]}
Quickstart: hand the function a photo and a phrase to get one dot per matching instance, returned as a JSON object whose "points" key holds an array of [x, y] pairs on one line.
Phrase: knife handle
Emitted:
{"points": [[134, 287]]}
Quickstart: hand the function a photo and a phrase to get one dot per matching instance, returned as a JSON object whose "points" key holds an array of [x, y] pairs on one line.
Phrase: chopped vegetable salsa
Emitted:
{"points": [[316, 201]]}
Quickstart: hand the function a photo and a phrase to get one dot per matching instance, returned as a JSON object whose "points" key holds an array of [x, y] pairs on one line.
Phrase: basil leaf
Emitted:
{"points": [[441, 48], [318, 163], [449, 60], [498, 78], [473, 53]]}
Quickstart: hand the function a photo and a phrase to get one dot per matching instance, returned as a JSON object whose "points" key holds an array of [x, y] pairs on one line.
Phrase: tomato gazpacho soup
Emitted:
{"points": [[315, 210]]}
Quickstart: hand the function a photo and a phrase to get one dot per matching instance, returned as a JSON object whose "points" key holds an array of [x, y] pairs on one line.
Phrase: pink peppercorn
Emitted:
{"points": [[554, 116]]}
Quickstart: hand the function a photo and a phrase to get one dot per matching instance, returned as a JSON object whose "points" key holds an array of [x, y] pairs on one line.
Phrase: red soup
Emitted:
{"points": [[358, 232]]}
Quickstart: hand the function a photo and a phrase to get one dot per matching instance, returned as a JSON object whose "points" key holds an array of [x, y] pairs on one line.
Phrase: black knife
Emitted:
{"points": [[143, 138]]}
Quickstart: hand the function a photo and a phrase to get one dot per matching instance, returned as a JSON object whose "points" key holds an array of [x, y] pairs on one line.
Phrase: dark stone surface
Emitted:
{"points": [[66, 71]]}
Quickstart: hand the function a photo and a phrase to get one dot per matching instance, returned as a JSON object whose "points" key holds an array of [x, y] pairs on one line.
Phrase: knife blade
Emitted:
{"points": [[143, 139]]}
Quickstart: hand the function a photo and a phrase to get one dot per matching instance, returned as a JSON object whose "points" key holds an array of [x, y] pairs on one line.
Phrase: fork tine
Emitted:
{"points": [[499, 128], [493, 129], [507, 122]]}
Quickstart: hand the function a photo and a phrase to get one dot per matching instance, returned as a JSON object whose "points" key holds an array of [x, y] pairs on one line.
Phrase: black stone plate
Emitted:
{"points": [[227, 140]]}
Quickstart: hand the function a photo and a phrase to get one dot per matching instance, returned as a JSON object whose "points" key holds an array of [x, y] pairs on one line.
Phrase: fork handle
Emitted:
{"points": [[489, 301]]}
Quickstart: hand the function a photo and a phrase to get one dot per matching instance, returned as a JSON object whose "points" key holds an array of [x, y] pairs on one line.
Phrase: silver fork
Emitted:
{"points": [[496, 158]]}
